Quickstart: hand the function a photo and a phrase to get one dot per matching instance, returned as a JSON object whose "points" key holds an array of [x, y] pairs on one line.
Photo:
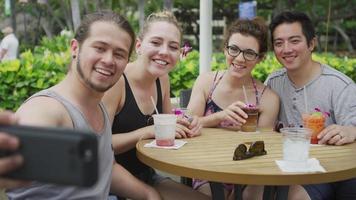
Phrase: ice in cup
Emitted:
{"points": [[315, 122], [251, 122], [165, 129], [296, 143]]}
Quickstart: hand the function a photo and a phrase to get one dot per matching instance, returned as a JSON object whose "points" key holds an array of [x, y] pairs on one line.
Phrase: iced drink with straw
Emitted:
{"points": [[251, 122], [165, 129], [252, 112], [316, 122]]}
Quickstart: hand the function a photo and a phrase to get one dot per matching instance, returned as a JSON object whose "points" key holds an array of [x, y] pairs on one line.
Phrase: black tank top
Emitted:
{"points": [[129, 119]]}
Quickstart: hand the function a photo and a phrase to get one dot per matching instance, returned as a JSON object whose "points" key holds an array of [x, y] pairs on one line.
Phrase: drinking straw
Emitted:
{"points": [[154, 105], [305, 99], [244, 90]]}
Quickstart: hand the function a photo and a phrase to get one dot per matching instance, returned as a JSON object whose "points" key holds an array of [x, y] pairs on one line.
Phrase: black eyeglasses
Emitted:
{"points": [[235, 51], [256, 149]]}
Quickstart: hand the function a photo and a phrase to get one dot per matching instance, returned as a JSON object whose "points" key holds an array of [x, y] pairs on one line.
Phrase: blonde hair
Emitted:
{"points": [[162, 16]]}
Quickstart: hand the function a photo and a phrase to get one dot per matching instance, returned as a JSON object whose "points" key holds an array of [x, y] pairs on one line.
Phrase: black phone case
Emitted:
{"points": [[55, 155]]}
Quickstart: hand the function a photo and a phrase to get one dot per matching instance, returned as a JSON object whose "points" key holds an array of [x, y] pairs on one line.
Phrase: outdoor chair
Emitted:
{"points": [[184, 97]]}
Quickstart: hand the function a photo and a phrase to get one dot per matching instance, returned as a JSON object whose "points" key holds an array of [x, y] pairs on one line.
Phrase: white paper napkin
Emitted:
{"points": [[177, 144], [312, 165]]}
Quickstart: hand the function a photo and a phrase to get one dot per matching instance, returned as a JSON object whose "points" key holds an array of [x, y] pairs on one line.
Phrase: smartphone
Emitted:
{"points": [[55, 155]]}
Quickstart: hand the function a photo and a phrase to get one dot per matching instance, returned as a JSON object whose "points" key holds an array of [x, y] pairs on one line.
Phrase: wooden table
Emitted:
{"points": [[209, 157]]}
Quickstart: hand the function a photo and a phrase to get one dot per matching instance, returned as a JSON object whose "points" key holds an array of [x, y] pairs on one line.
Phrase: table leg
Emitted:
{"points": [[282, 192], [238, 191], [275, 192], [217, 191], [268, 192]]}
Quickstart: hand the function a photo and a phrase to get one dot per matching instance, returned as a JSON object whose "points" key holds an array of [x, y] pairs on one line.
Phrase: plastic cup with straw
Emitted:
{"points": [[314, 121], [252, 113], [164, 127]]}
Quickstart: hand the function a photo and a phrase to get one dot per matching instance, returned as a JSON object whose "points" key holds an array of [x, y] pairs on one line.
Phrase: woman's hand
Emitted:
{"points": [[188, 126], [234, 114]]}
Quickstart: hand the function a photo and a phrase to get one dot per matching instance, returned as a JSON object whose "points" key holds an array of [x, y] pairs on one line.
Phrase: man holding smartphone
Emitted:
{"points": [[100, 51]]}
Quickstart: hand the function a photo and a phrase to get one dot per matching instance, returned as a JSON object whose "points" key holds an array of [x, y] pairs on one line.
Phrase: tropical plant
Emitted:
{"points": [[33, 71], [184, 75]]}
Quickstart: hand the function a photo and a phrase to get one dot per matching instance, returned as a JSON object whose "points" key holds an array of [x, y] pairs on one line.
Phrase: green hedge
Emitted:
{"points": [[33, 71], [183, 76], [47, 64]]}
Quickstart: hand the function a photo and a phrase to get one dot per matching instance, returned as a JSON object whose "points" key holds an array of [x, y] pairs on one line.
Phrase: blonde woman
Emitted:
{"points": [[158, 49]]}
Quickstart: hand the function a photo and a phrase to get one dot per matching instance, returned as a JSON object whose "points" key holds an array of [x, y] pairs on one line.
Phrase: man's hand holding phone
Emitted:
{"points": [[9, 143]]}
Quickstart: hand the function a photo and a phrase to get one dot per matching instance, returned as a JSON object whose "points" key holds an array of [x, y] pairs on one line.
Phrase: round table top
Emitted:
{"points": [[209, 157]]}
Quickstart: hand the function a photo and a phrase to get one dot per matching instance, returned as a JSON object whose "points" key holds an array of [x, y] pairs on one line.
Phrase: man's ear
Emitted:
{"points": [[312, 44], [74, 47]]}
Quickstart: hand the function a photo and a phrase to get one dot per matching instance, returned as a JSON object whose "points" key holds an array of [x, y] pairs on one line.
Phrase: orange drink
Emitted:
{"points": [[316, 123]]}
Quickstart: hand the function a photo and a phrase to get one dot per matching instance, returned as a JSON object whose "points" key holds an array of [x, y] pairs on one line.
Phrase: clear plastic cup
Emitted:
{"points": [[296, 144], [316, 123], [165, 129], [251, 121]]}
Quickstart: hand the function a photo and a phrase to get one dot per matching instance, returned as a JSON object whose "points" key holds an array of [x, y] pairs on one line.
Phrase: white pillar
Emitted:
{"points": [[205, 35]]}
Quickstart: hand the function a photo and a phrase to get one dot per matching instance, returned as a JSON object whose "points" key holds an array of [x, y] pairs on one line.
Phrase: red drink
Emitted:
{"points": [[315, 122], [165, 142], [251, 121], [165, 129]]}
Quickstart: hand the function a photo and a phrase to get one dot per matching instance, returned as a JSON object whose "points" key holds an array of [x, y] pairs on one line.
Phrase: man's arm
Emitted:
{"points": [[126, 185], [344, 131], [2, 53], [43, 111]]}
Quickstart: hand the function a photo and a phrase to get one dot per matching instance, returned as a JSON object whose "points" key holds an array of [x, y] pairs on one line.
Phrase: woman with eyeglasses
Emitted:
{"points": [[218, 97]]}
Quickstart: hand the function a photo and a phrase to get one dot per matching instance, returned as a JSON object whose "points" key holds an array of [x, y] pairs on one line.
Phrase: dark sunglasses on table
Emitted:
{"points": [[256, 149], [235, 51]]}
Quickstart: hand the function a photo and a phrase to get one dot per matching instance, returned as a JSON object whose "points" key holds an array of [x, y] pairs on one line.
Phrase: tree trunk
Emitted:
{"points": [[141, 12], [67, 15], [46, 27], [75, 13], [86, 7], [13, 14], [98, 5], [54, 17], [344, 36], [280, 5], [168, 4]]}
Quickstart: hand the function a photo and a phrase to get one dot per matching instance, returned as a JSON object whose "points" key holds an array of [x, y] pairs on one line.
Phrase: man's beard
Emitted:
{"points": [[88, 82]]}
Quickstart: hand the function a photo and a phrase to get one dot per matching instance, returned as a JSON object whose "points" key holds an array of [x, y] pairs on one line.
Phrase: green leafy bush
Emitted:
{"points": [[184, 75], [47, 65], [33, 72]]}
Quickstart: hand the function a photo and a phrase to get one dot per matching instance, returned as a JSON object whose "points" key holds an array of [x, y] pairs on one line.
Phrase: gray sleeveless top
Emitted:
{"points": [[100, 190]]}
